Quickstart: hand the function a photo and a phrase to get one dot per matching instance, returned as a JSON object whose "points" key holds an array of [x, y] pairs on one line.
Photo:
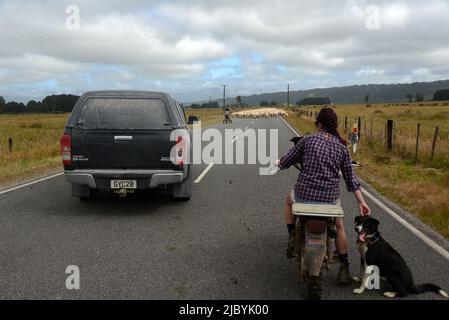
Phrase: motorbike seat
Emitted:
{"points": [[318, 209]]}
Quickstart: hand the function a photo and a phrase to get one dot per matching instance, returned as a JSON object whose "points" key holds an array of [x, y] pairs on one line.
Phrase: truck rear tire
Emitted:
{"points": [[84, 193]]}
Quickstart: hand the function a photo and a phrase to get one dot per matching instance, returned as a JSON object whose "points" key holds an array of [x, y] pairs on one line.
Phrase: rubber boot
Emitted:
{"points": [[343, 277], [291, 245]]}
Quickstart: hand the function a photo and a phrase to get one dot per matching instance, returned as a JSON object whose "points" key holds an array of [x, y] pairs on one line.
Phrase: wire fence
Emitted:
{"points": [[421, 142]]}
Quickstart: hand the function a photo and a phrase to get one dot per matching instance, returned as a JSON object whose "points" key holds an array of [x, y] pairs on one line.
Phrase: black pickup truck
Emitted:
{"points": [[122, 141]]}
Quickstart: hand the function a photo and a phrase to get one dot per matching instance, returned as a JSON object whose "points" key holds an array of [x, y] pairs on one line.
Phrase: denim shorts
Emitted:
{"points": [[296, 199]]}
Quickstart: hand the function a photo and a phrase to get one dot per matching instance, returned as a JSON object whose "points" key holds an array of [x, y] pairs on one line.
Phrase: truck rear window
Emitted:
{"points": [[116, 113]]}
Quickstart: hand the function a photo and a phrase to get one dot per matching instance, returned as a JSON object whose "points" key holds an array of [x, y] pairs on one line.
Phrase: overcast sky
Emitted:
{"points": [[189, 48]]}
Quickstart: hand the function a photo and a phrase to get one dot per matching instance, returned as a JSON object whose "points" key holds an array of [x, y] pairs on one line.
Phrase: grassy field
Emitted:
{"points": [[207, 116], [420, 186], [36, 142]]}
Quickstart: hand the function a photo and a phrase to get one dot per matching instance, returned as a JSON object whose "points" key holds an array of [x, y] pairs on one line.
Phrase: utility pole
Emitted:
{"points": [[224, 95], [288, 95], [53, 102], [210, 101]]}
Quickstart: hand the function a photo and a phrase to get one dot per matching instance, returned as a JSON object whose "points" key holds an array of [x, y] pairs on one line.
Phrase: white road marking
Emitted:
{"points": [[409, 226], [31, 183], [435, 246], [203, 174], [291, 128]]}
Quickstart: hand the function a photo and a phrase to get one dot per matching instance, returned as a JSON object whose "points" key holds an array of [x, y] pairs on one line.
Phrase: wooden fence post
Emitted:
{"points": [[389, 135], [346, 123], [395, 132], [417, 141], [434, 142], [10, 144]]}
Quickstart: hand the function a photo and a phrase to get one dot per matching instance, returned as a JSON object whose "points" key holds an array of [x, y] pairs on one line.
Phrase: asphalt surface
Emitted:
{"points": [[228, 242]]}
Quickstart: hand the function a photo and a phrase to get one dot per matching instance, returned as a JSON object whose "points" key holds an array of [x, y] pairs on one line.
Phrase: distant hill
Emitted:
{"points": [[378, 93]]}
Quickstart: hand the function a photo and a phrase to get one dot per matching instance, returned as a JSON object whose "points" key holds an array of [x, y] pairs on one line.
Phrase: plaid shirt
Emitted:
{"points": [[321, 156]]}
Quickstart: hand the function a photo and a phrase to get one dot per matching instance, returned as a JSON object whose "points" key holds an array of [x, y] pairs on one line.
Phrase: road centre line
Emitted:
{"points": [[203, 174]]}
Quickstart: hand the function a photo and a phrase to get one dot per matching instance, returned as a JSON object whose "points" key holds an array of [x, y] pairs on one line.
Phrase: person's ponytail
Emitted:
{"points": [[329, 121]]}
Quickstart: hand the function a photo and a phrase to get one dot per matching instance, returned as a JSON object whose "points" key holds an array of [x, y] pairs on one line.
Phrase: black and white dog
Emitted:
{"points": [[376, 251]]}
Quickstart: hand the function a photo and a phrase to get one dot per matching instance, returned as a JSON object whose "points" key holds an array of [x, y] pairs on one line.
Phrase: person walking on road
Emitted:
{"points": [[322, 155], [354, 139]]}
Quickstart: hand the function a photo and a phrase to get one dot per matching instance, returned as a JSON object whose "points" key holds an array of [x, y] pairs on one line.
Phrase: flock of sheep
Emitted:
{"points": [[260, 113]]}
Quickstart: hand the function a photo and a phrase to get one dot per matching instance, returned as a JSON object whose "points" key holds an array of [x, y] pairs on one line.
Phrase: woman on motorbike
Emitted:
{"points": [[322, 155]]}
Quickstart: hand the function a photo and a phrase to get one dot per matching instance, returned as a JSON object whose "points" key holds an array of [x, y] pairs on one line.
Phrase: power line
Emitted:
{"points": [[19, 28]]}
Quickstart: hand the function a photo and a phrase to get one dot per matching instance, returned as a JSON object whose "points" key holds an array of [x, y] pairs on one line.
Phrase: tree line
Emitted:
{"points": [[212, 104], [441, 95], [53, 103], [66, 102]]}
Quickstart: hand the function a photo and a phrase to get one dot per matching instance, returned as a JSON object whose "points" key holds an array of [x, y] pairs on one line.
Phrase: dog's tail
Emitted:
{"points": [[430, 287]]}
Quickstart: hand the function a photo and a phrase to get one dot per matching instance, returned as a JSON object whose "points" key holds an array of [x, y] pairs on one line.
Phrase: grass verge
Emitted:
{"points": [[35, 146]]}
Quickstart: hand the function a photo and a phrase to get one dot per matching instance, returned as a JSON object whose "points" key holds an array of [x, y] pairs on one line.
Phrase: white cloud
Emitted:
{"points": [[178, 46], [396, 14]]}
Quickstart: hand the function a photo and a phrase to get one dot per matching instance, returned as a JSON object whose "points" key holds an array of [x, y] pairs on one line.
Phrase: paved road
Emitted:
{"points": [[228, 242]]}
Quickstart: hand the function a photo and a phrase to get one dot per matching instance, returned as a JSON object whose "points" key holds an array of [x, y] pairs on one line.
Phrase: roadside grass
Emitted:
{"points": [[207, 116], [406, 117], [35, 147], [421, 187]]}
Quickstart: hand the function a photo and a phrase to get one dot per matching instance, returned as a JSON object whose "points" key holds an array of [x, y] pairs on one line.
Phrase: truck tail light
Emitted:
{"points": [[66, 149], [180, 151], [180, 145]]}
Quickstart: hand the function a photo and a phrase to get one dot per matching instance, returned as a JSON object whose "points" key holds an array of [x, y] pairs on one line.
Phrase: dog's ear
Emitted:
{"points": [[372, 223], [360, 219]]}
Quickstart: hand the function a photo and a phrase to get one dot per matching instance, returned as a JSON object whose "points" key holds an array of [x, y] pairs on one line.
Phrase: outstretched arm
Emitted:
{"points": [[292, 157]]}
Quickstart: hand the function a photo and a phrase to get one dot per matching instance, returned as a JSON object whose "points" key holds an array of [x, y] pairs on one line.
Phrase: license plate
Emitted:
{"points": [[123, 184]]}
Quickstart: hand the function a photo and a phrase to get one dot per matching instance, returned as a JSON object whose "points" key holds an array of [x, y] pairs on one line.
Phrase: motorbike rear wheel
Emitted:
{"points": [[314, 287], [299, 248]]}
